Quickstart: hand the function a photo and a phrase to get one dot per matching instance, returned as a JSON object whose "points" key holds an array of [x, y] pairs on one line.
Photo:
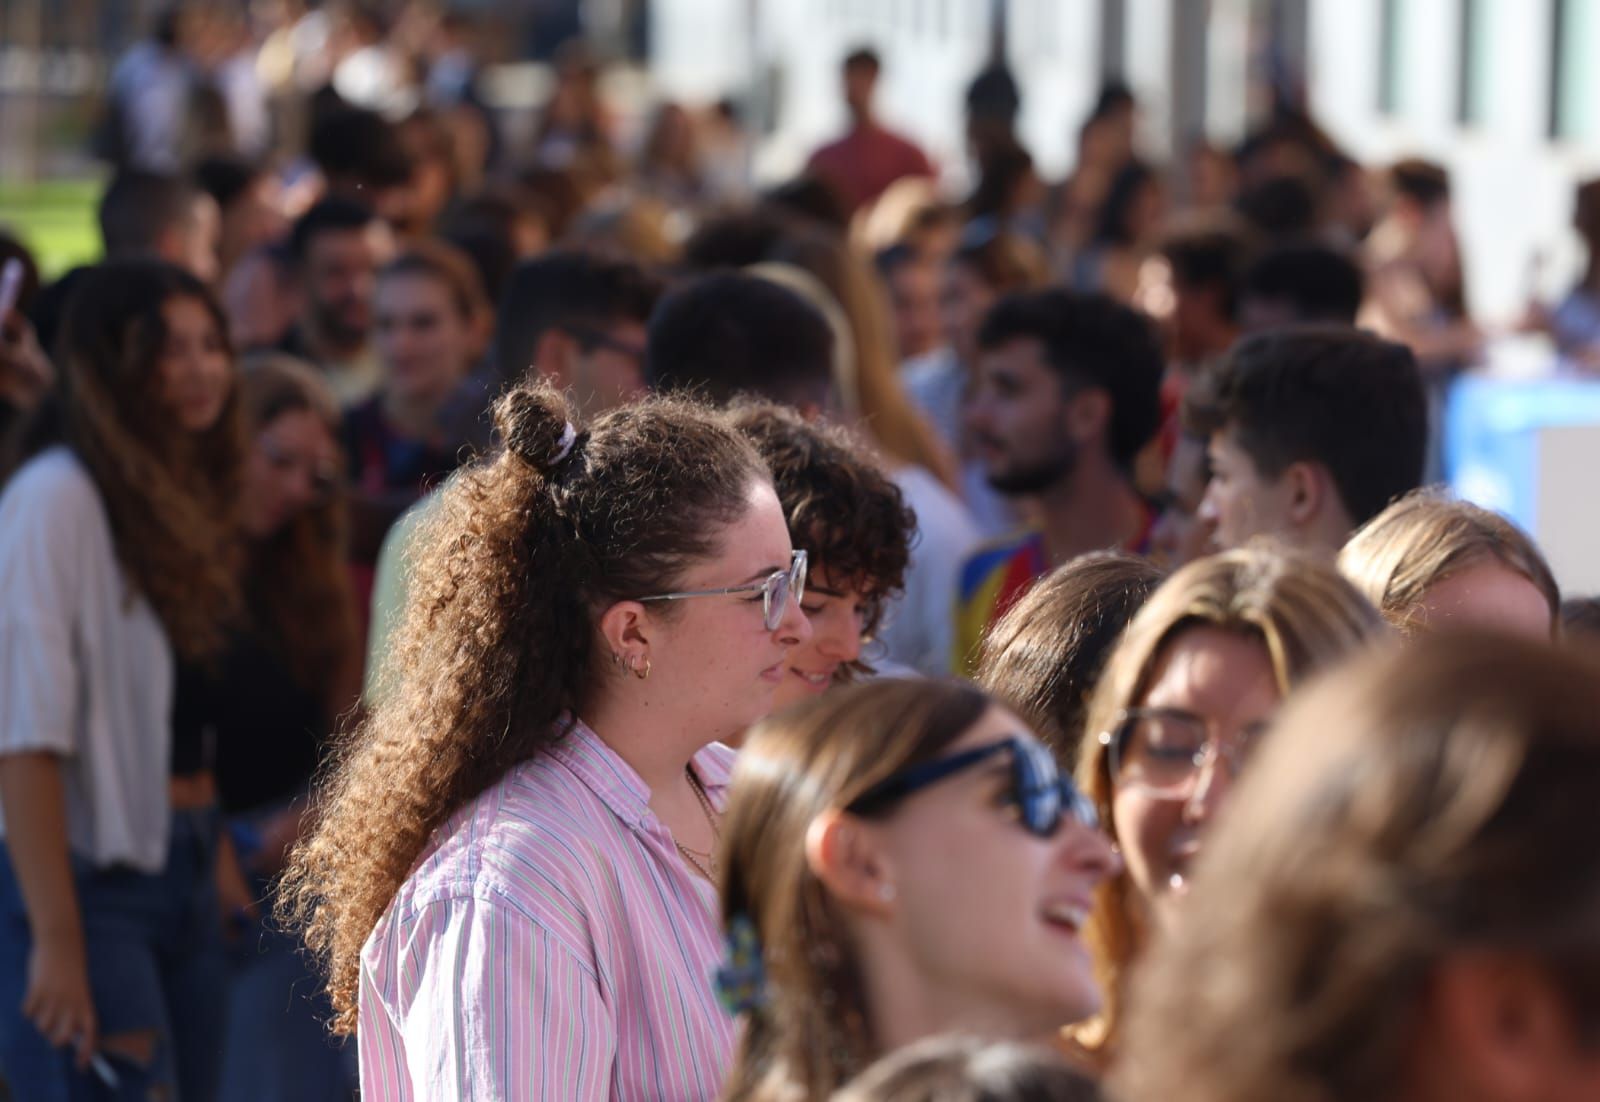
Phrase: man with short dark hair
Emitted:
{"points": [[361, 156], [337, 247], [577, 319], [1312, 431], [149, 214], [729, 333], [861, 165], [1300, 283], [1067, 394]]}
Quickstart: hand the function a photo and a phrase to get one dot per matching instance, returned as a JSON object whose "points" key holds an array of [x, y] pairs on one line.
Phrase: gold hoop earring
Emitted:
{"points": [[642, 673]]}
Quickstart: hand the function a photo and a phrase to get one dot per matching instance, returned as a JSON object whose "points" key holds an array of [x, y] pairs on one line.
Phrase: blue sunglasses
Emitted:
{"points": [[1041, 793]]}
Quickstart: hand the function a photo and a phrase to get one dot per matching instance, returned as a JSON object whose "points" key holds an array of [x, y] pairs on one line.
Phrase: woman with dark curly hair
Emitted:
{"points": [[117, 559], [511, 879], [854, 526]]}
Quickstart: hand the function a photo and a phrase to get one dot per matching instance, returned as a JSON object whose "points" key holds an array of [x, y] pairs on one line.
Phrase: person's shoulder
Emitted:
{"points": [[54, 482], [994, 555], [525, 842], [940, 513]]}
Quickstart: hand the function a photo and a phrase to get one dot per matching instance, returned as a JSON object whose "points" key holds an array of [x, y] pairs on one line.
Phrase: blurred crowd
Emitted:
{"points": [[356, 508]]}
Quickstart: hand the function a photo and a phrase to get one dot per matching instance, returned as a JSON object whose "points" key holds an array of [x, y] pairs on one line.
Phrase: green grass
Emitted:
{"points": [[55, 219]]}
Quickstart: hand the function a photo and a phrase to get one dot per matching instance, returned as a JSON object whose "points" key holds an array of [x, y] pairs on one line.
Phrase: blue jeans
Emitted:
{"points": [[278, 1047], [156, 965]]}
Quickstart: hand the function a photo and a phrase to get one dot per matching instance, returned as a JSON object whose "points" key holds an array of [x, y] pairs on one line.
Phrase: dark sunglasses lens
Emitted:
{"points": [[1038, 789]]}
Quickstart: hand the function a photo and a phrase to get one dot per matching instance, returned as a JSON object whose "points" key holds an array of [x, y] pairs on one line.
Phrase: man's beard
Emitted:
{"points": [[1022, 481]]}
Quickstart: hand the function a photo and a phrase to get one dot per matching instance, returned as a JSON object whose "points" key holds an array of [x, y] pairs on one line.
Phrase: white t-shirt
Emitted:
{"points": [[917, 629], [86, 671]]}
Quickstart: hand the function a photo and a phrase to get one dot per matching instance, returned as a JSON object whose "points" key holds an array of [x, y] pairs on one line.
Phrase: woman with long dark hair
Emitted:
{"points": [[117, 559]]}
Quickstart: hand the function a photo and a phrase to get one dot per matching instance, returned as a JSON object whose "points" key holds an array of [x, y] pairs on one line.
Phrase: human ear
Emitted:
{"points": [[626, 631], [1306, 486], [842, 852], [1089, 414], [1505, 1023]]}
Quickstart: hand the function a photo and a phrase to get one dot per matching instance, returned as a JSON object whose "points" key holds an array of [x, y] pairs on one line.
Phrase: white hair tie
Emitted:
{"points": [[569, 436]]}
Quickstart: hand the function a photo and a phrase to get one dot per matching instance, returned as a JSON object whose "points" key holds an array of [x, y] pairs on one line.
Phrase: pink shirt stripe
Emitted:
{"points": [[551, 944]]}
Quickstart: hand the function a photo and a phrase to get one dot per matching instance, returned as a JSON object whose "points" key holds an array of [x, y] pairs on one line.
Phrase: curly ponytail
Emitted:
{"points": [[496, 644]]}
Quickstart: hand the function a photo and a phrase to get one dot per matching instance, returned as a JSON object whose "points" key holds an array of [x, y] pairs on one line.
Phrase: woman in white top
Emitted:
{"points": [[115, 558]]}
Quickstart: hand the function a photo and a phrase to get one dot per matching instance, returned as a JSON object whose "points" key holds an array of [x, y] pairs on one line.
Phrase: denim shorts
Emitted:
{"points": [[156, 965]]}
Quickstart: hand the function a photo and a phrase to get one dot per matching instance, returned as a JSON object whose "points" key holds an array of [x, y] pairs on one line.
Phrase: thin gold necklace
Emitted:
{"points": [[695, 857]]}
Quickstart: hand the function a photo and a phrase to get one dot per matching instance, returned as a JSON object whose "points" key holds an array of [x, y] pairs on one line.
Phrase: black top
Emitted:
{"points": [[247, 719]]}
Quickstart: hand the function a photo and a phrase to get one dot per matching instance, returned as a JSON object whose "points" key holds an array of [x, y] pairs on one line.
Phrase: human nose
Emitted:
{"points": [[1213, 780], [795, 627], [1208, 510], [1087, 849], [837, 636]]}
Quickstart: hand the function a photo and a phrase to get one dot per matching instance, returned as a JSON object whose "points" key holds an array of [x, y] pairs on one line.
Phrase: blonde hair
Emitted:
{"points": [[811, 1031], [1424, 538], [1306, 617], [1419, 804]]}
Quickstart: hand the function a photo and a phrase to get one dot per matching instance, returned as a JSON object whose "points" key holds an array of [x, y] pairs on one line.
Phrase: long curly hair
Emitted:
{"points": [[497, 642], [169, 493], [297, 584]]}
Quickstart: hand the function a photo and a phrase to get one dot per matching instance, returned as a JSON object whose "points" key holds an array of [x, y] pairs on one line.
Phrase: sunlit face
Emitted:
{"points": [[292, 466], [1016, 418], [1239, 501], [194, 370], [713, 655], [1224, 681], [423, 340], [988, 913], [1487, 596], [837, 610]]}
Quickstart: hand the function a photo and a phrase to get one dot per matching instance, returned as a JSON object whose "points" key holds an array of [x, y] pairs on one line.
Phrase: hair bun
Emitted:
{"points": [[533, 420]]}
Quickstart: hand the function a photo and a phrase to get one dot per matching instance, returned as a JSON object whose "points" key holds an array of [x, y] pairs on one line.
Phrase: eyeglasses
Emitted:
{"points": [[775, 592], [1163, 751], [1040, 792], [590, 338]]}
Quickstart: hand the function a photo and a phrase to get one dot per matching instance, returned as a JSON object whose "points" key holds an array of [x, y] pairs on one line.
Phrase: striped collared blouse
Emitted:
{"points": [[551, 944]]}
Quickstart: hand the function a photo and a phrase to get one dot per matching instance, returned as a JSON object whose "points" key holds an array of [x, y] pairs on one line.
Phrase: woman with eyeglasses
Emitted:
{"points": [[512, 877], [1185, 697], [901, 859], [1406, 905]]}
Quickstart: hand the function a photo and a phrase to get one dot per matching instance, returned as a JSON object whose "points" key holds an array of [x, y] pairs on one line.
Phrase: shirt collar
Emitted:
{"points": [[623, 791]]}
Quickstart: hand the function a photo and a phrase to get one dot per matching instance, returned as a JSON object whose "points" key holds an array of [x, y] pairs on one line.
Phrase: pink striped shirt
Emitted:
{"points": [[551, 944]]}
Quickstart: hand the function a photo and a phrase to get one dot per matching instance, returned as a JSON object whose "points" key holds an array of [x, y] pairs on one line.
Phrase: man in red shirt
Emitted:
{"points": [[861, 165]]}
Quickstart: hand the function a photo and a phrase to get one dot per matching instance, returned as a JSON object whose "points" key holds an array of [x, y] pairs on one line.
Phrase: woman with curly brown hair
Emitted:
{"points": [[116, 559], [854, 526], [511, 876]]}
